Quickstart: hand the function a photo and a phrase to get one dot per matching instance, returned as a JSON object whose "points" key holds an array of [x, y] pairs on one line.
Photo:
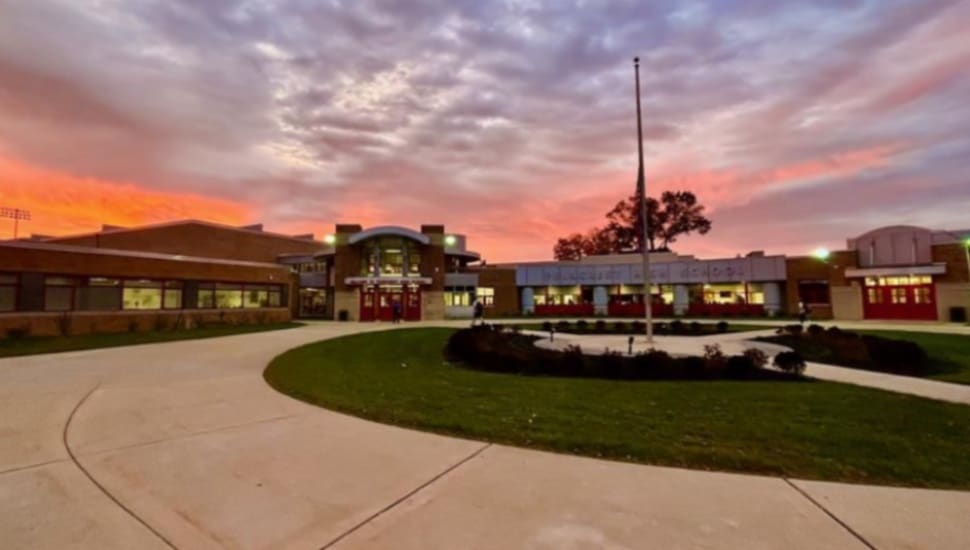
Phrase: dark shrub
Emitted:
{"points": [[714, 358], [695, 367], [757, 357], [515, 329], [653, 363], [794, 330], [661, 328], [563, 326], [899, 356], [572, 360], [695, 327], [815, 330], [739, 367], [619, 326], [497, 327], [790, 362], [611, 364], [582, 325], [17, 333], [638, 327], [677, 327], [600, 325], [834, 332], [722, 326], [546, 326]]}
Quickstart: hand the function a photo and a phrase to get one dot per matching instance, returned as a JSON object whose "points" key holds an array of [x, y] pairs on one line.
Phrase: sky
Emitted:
{"points": [[798, 123]]}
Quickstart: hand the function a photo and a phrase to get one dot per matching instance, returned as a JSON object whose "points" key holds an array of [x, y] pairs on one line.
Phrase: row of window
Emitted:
{"points": [[903, 280], [110, 294], [458, 296], [899, 296]]}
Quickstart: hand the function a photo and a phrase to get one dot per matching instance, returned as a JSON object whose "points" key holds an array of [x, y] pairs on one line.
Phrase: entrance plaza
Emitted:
{"points": [[184, 445], [183, 270]]}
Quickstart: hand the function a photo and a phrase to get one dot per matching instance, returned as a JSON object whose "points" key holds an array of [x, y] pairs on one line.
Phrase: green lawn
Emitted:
{"points": [[42, 344], [949, 353], [812, 430]]}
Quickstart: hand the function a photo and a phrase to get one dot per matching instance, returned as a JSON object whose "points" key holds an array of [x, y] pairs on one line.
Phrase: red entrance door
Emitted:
{"points": [[377, 303], [888, 298]]}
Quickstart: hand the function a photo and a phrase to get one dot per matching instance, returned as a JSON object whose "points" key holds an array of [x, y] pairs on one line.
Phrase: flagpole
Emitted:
{"points": [[642, 197]]}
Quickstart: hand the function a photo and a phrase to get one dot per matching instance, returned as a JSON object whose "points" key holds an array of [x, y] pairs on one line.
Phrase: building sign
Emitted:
{"points": [[755, 269], [387, 280]]}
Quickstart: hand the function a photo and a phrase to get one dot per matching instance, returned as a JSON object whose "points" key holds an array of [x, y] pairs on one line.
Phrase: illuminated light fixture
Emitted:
{"points": [[822, 253], [330, 239], [450, 240]]}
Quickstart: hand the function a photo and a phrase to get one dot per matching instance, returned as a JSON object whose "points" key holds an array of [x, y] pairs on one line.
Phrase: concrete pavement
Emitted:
{"points": [[183, 445]]}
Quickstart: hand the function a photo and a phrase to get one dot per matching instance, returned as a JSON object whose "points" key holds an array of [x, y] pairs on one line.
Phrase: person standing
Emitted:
{"points": [[478, 313], [803, 312], [396, 312]]}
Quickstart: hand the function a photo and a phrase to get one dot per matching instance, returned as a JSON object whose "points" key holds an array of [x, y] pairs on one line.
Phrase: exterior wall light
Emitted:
{"points": [[822, 253], [450, 240], [330, 239]]}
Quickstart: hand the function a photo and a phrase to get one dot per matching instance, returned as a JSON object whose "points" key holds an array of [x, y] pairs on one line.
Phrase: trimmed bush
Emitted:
{"points": [[547, 326], [582, 325], [619, 326], [677, 326], [790, 362], [695, 327], [563, 326], [638, 327], [600, 325], [757, 357], [722, 326], [815, 330]]}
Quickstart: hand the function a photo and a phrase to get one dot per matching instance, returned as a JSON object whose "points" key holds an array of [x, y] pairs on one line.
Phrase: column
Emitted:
{"points": [[681, 299], [772, 298], [528, 301], [601, 300]]}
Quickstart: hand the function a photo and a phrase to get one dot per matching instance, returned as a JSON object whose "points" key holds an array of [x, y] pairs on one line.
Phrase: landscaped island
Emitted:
{"points": [[810, 429]]}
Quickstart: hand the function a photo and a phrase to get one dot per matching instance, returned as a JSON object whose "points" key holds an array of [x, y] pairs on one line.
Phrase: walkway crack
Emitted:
{"points": [[74, 459], [410, 494], [830, 514]]}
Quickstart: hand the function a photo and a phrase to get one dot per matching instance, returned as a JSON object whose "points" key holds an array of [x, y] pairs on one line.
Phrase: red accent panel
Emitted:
{"points": [[637, 310], [726, 309], [574, 309]]}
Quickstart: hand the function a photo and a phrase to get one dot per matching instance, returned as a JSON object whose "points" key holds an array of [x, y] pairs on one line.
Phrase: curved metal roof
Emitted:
{"points": [[389, 230]]}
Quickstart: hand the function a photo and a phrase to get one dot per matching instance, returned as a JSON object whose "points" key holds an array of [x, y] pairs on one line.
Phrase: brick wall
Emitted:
{"points": [[87, 322], [506, 293], [956, 262], [803, 268]]}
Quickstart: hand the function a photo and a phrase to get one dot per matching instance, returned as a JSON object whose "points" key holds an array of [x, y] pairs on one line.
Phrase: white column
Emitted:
{"points": [[772, 298], [681, 299], [528, 300], [601, 300]]}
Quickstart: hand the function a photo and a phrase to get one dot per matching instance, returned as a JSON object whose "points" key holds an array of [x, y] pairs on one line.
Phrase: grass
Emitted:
{"points": [[812, 430], [13, 347], [949, 354]]}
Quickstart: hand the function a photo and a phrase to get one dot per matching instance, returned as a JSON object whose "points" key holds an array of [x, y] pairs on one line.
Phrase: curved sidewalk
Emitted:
{"points": [[183, 445]]}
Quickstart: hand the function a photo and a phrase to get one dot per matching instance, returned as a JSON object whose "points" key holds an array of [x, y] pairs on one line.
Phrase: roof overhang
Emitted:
{"points": [[467, 254], [932, 269], [356, 281], [389, 230]]}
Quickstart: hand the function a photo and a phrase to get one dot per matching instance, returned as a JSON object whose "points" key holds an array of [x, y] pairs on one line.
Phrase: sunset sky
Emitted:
{"points": [[798, 123]]}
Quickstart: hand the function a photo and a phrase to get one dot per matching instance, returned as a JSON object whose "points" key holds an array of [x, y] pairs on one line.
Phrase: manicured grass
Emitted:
{"points": [[949, 354], [42, 344], [813, 430]]}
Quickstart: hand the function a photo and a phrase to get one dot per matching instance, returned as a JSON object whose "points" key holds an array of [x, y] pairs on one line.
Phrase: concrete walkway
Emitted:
{"points": [[737, 342], [183, 445]]}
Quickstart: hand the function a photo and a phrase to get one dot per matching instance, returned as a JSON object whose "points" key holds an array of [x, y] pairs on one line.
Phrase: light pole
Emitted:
{"points": [[642, 197], [16, 214]]}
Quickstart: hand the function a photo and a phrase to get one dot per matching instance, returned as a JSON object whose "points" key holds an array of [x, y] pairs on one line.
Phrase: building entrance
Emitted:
{"points": [[377, 302], [905, 297]]}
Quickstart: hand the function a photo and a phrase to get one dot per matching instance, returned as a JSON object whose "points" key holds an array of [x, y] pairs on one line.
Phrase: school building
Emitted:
{"points": [[194, 272]]}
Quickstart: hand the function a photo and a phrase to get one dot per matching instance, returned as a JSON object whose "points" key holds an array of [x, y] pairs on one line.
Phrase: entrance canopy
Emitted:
{"points": [[389, 231]]}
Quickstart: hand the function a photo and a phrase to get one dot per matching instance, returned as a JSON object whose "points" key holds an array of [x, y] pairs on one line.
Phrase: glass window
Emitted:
{"points": [[100, 294], [874, 295], [922, 296], [173, 298], [898, 295], [59, 293], [275, 297], [142, 294], [8, 292], [228, 296], [206, 298], [813, 292], [486, 295], [255, 296]]}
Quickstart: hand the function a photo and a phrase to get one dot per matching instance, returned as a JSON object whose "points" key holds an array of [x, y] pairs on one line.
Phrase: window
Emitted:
{"points": [[390, 256], [813, 292], [100, 294], [206, 298], [255, 296], [228, 296], [898, 295], [921, 295], [59, 293], [874, 295], [8, 292], [459, 296], [172, 296], [486, 295], [142, 294]]}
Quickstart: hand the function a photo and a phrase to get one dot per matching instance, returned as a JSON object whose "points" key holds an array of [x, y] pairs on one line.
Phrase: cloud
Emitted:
{"points": [[510, 121]]}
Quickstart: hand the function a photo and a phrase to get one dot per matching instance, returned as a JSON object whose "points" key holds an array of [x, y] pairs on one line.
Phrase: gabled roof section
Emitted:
{"points": [[114, 230]]}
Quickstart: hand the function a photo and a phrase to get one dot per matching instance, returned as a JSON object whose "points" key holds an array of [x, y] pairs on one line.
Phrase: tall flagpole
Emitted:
{"points": [[642, 197]]}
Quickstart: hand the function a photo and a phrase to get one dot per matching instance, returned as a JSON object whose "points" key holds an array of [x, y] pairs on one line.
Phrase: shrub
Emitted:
{"points": [[619, 326], [17, 333], [794, 330], [899, 356], [714, 357], [834, 332], [660, 328], [815, 330], [611, 364], [600, 325], [757, 357], [546, 326], [563, 326], [638, 327], [572, 360], [677, 327], [582, 325], [695, 327], [740, 367], [722, 326], [790, 362]]}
